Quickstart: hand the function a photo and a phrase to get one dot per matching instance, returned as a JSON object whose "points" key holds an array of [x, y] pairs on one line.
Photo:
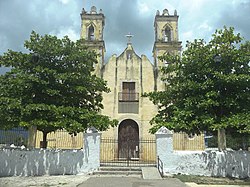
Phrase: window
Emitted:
{"points": [[91, 32], [128, 99], [128, 93]]}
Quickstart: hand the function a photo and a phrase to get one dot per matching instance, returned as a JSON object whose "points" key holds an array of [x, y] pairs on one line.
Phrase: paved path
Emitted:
{"points": [[130, 182], [206, 185], [150, 173]]}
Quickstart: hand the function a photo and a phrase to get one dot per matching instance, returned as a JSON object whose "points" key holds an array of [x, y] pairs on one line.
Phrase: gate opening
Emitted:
{"points": [[128, 149]]}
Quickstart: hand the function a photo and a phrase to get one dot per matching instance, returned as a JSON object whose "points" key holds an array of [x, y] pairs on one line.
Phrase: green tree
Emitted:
{"points": [[52, 87], [207, 88]]}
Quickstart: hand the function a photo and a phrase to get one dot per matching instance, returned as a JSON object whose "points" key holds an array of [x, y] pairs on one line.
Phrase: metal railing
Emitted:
{"points": [[59, 139], [128, 97], [16, 136], [115, 153], [160, 166]]}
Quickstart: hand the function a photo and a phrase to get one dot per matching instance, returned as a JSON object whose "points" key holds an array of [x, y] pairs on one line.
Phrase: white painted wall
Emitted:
{"points": [[16, 162], [207, 163]]}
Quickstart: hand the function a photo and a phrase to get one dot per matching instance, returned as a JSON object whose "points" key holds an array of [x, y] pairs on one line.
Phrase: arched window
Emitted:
{"points": [[167, 34], [91, 31]]}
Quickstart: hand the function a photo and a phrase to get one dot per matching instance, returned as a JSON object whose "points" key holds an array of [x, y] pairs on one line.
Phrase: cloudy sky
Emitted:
{"points": [[197, 19]]}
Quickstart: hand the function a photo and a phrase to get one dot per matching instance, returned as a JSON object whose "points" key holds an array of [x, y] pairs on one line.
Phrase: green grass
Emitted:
{"points": [[212, 180]]}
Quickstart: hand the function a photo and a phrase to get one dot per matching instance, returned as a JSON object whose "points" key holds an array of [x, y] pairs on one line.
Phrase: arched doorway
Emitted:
{"points": [[128, 140]]}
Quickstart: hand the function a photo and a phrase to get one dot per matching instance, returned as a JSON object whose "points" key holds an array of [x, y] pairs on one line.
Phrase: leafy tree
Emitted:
{"points": [[207, 88], [52, 87]]}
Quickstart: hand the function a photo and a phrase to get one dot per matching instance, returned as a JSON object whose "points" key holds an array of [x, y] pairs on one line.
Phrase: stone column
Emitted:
{"points": [[92, 141], [164, 147]]}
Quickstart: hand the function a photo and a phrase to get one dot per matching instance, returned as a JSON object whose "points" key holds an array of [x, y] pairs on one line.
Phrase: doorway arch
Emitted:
{"points": [[128, 139]]}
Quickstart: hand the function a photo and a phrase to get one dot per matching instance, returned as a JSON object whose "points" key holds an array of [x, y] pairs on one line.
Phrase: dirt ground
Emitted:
{"points": [[43, 181]]}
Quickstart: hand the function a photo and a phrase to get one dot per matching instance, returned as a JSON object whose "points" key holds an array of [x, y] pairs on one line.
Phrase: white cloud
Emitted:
{"points": [[153, 5], [188, 36], [205, 27], [143, 8], [72, 34], [64, 1], [192, 5]]}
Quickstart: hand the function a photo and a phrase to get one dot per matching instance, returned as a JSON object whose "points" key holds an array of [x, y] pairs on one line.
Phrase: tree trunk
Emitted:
{"points": [[43, 144], [222, 139], [32, 137]]}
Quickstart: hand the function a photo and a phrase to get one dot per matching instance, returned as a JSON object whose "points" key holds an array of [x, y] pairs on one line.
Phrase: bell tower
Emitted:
{"points": [[92, 25], [166, 40]]}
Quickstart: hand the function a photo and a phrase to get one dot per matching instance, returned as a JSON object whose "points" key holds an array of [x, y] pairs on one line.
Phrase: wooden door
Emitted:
{"points": [[128, 140]]}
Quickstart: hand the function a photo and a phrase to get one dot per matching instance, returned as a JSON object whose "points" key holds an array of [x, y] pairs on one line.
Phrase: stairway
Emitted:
{"points": [[119, 171], [140, 172]]}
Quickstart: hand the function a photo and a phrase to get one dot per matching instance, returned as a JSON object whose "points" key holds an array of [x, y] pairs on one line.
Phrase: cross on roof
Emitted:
{"points": [[129, 36]]}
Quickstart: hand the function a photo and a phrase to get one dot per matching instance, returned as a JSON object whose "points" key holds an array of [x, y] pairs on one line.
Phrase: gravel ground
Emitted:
{"points": [[43, 181]]}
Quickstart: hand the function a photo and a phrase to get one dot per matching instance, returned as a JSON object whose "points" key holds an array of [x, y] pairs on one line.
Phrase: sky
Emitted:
{"points": [[197, 19]]}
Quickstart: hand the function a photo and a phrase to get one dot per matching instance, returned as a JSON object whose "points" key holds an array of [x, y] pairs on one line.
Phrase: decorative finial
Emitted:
{"points": [[93, 10], [129, 36], [165, 12], [83, 11], [175, 12]]}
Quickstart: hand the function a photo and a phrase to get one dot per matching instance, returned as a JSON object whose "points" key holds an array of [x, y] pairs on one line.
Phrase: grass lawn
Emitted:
{"points": [[212, 180]]}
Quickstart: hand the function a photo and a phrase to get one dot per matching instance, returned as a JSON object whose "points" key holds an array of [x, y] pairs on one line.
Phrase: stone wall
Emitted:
{"points": [[207, 163], [17, 162]]}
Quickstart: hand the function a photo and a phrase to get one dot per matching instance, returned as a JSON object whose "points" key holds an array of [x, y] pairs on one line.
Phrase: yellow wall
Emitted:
{"points": [[182, 141], [61, 139]]}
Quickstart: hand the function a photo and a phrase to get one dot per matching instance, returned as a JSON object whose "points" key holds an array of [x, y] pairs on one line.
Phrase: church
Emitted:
{"points": [[128, 76]]}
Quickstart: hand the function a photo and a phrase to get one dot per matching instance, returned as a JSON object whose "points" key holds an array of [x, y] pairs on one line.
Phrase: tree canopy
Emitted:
{"points": [[207, 88], [52, 86]]}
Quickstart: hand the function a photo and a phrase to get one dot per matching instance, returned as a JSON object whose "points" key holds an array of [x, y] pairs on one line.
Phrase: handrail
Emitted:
{"points": [[160, 166], [123, 96]]}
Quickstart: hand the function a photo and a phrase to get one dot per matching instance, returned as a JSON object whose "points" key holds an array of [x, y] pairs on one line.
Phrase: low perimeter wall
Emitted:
{"points": [[17, 162], [207, 163]]}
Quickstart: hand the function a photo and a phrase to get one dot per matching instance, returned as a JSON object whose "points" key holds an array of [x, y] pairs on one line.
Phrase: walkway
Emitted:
{"points": [[87, 181], [130, 182], [206, 185]]}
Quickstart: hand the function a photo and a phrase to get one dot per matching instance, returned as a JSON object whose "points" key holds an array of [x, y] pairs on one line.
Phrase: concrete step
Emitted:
{"points": [[125, 164], [118, 171]]}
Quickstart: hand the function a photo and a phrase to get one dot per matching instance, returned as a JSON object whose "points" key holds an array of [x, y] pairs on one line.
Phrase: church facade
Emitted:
{"points": [[129, 75]]}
